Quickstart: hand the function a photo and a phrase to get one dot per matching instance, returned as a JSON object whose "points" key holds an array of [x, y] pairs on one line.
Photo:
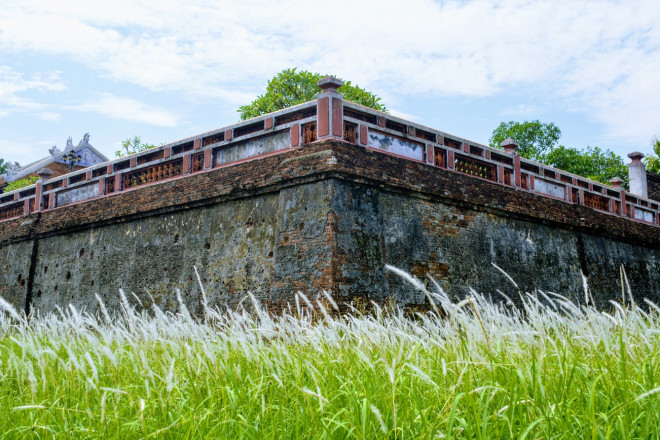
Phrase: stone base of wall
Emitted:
{"points": [[326, 216]]}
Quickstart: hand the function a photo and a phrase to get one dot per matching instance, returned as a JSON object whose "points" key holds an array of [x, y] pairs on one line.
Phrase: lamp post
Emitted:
{"points": [[72, 158]]}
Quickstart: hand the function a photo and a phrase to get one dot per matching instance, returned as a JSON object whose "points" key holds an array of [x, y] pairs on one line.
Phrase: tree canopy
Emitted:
{"points": [[20, 183], [652, 161], [291, 87], [591, 162], [536, 138], [540, 142], [131, 146], [3, 166]]}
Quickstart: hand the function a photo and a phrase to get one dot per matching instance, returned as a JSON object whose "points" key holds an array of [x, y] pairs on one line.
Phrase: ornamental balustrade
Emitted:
{"points": [[303, 124]]}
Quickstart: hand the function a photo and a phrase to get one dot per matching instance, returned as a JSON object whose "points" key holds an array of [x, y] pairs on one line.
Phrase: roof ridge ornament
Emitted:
{"points": [[57, 153]]}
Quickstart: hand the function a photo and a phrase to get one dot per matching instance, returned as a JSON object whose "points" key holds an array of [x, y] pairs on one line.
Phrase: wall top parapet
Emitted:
{"points": [[299, 125]]}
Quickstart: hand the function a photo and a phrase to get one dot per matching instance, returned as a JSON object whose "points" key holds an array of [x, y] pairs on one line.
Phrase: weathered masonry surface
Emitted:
{"points": [[311, 206]]}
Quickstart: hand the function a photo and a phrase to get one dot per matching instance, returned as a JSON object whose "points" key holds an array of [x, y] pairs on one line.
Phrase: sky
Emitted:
{"points": [[171, 69]]}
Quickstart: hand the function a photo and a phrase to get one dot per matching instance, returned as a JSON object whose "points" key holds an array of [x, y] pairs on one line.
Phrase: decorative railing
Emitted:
{"points": [[153, 173], [473, 167], [11, 211], [317, 120], [453, 153]]}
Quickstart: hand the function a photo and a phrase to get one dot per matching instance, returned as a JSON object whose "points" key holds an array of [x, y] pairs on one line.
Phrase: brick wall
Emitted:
{"points": [[324, 216]]}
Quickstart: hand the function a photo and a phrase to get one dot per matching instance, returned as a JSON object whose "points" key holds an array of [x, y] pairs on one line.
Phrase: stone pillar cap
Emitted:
{"points": [[509, 145], [636, 156], [329, 83], [45, 173], [616, 182]]}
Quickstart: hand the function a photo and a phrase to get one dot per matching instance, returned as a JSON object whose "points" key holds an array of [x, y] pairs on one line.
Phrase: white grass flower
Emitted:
{"points": [[24, 407], [169, 380], [381, 423], [4, 305], [425, 377], [648, 393]]}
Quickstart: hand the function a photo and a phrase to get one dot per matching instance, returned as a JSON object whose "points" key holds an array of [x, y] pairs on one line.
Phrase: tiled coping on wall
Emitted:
{"points": [[329, 117]]}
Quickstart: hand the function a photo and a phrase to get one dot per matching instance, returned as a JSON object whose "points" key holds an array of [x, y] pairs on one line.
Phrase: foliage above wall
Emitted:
{"points": [[21, 183], [652, 161], [133, 145], [291, 87], [540, 142]]}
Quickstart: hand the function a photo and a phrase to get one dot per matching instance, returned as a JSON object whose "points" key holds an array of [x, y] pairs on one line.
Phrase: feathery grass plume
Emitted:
{"points": [[330, 299], [104, 310], [585, 286], [506, 275], [379, 417], [4, 305], [648, 393], [546, 369], [182, 306], [205, 302], [625, 279], [481, 324], [416, 283]]}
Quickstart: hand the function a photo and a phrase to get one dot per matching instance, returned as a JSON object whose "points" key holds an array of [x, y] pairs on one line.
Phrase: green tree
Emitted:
{"points": [[131, 146], [291, 87], [652, 161], [592, 163], [536, 138], [21, 183], [540, 142], [3, 167]]}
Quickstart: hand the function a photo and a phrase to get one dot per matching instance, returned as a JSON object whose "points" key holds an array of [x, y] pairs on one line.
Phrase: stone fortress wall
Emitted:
{"points": [[320, 197]]}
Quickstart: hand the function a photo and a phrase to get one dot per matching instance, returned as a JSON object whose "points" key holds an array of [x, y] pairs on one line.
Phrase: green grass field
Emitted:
{"points": [[477, 370]]}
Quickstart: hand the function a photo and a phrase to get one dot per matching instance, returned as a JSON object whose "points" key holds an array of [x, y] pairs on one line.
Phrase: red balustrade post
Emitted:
{"points": [[624, 207], [118, 182], [430, 158], [616, 184], [329, 111], [510, 146], [364, 141], [37, 195], [295, 135]]}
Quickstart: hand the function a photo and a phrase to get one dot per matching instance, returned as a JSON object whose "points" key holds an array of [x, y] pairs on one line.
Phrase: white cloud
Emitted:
{"points": [[14, 85], [49, 116], [599, 56], [21, 151], [129, 109]]}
